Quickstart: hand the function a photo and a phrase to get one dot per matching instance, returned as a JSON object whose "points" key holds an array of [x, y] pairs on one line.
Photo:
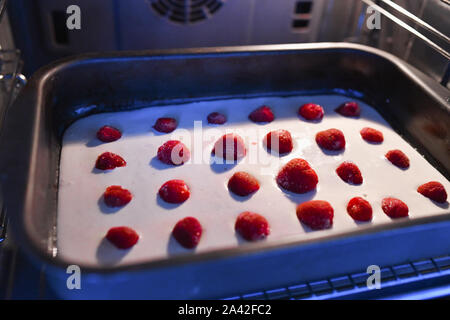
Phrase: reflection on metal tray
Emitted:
{"points": [[407, 100]]}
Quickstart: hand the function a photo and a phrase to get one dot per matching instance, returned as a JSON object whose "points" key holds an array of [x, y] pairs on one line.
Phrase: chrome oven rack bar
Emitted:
{"points": [[436, 270], [416, 27]]}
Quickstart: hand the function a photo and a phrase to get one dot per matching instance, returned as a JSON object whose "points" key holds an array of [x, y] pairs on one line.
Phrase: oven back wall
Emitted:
{"points": [[40, 32]]}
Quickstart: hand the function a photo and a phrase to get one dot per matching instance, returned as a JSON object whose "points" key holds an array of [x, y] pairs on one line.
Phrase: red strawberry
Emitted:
{"points": [[279, 141], [349, 109], [316, 214], [243, 184], [311, 111], [229, 147], [217, 118], [116, 196], [173, 152], [174, 191], [165, 125], [297, 176], [122, 237], [188, 232], [109, 161], [398, 158], [372, 135], [359, 209], [394, 208], [349, 172], [252, 226], [262, 114], [108, 134], [433, 190], [331, 139]]}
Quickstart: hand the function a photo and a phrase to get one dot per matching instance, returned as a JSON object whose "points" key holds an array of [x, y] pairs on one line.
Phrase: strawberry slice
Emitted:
{"points": [[165, 125], [262, 114], [359, 209], [349, 109], [398, 158], [109, 161], [173, 152], [116, 196], [229, 147], [252, 226], [331, 139], [316, 214], [216, 118], [279, 141], [122, 237], [108, 134], [394, 208], [174, 191], [243, 184], [311, 111], [433, 190], [350, 173], [297, 176], [188, 232], [371, 135]]}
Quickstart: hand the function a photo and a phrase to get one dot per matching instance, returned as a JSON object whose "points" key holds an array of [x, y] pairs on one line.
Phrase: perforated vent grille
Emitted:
{"points": [[186, 11]]}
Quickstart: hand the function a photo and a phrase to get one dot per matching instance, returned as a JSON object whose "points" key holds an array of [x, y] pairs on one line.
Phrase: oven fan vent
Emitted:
{"points": [[186, 11]]}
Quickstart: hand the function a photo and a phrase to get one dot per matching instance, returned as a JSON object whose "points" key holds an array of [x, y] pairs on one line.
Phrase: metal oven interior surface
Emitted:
{"points": [[123, 80], [39, 26]]}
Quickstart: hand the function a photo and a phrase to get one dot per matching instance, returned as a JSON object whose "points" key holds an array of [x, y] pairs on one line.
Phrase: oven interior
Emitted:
{"points": [[32, 34]]}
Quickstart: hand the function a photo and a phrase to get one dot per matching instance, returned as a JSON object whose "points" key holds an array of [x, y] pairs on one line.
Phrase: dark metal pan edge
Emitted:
{"points": [[37, 81]]}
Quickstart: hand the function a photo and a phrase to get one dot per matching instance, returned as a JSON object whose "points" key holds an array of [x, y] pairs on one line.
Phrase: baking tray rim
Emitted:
{"points": [[20, 223], [39, 77]]}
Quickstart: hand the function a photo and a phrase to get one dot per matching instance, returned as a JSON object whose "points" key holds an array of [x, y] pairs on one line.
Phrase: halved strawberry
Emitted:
{"points": [[165, 125], [252, 226], [279, 141], [229, 147], [331, 139], [188, 232], [109, 161], [174, 191], [108, 134], [116, 196], [216, 118], [297, 176], [173, 152], [398, 158], [394, 208], [349, 109], [433, 190], [359, 209], [316, 214], [243, 184], [371, 135], [311, 111], [350, 173]]}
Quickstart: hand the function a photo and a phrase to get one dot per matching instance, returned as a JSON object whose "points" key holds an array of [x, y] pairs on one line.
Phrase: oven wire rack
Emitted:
{"points": [[403, 281], [411, 280]]}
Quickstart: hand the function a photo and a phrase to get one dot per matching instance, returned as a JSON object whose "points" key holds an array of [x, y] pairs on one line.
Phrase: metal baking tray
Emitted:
{"points": [[64, 91]]}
